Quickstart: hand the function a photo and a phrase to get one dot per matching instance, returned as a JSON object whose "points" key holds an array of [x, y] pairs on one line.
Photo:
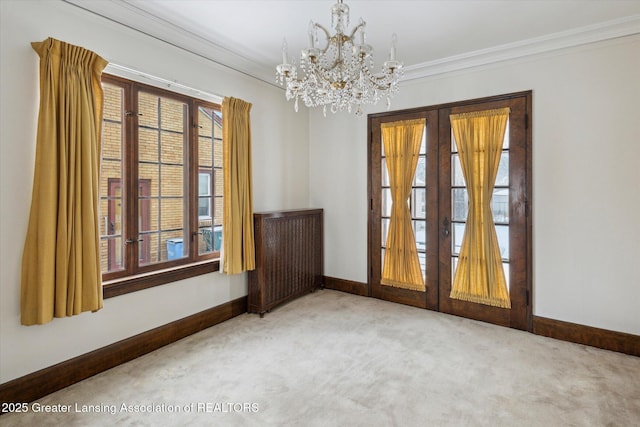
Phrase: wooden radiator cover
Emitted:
{"points": [[289, 257]]}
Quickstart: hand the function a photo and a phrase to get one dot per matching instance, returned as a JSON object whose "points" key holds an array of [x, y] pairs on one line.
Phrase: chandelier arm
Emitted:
{"points": [[326, 33], [376, 81], [355, 29]]}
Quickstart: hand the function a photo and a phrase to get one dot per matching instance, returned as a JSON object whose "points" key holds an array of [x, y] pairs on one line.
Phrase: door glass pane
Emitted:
{"points": [[505, 266], [385, 173], [419, 231], [502, 177], [459, 204], [503, 240], [423, 145], [500, 205], [386, 202], [419, 203], [385, 231], [457, 177], [420, 176], [456, 239]]}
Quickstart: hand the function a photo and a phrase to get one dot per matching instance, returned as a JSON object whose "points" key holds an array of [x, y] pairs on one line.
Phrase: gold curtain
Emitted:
{"points": [[237, 222], [479, 276], [402, 142], [61, 257]]}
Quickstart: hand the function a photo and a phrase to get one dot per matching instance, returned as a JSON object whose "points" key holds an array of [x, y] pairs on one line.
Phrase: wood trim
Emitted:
{"points": [[43, 382], [587, 335], [453, 104], [139, 282], [349, 286]]}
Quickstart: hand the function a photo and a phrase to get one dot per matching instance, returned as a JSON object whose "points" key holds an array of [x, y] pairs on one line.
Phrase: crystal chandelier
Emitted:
{"points": [[339, 74]]}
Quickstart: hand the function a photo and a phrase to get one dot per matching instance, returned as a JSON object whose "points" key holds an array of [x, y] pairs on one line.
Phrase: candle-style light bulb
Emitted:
{"points": [[284, 50], [311, 34], [362, 31], [394, 43]]}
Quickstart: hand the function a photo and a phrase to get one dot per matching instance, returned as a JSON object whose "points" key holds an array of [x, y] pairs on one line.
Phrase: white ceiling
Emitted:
{"points": [[433, 36]]}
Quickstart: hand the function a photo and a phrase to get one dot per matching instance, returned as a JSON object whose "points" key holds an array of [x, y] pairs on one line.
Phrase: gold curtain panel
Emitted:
{"points": [[479, 276], [238, 253], [402, 142], [61, 257]]}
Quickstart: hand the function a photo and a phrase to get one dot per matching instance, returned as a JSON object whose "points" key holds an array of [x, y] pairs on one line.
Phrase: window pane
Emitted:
{"points": [[172, 214], [162, 149], [210, 181], [205, 150], [205, 240], [204, 207], [111, 140], [204, 184], [149, 249], [111, 220], [172, 145], [217, 153], [217, 209], [218, 182], [148, 145], [173, 115], [174, 247], [147, 110], [172, 181]]}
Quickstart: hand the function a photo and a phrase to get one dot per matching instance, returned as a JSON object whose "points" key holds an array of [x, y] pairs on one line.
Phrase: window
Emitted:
{"points": [[160, 186]]}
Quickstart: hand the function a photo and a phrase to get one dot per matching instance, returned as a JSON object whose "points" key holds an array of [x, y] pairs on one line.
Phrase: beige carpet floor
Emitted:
{"points": [[334, 359]]}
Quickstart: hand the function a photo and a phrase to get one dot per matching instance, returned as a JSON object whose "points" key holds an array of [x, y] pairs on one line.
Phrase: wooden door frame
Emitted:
{"points": [[524, 194]]}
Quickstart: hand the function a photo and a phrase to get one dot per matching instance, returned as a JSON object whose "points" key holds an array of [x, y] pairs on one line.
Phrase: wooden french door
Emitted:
{"points": [[438, 207], [423, 206]]}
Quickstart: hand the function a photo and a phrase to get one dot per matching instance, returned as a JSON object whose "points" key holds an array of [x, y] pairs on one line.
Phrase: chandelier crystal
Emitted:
{"points": [[340, 73]]}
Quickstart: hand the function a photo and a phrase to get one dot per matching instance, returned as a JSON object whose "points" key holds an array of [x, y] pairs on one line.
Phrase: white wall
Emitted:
{"points": [[586, 176], [280, 158]]}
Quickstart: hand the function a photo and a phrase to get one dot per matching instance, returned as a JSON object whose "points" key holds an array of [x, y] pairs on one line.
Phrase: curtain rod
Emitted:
{"points": [[128, 72]]}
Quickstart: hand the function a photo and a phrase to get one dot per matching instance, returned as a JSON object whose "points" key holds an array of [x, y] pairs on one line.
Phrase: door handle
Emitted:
{"points": [[445, 227]]}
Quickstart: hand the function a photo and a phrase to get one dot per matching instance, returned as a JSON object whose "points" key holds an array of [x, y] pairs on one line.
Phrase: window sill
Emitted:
{"points": [[114, 288]]}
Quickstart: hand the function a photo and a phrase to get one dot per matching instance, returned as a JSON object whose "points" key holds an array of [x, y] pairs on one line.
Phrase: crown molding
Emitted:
{"points": [[571, 38], [128, 14]]}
